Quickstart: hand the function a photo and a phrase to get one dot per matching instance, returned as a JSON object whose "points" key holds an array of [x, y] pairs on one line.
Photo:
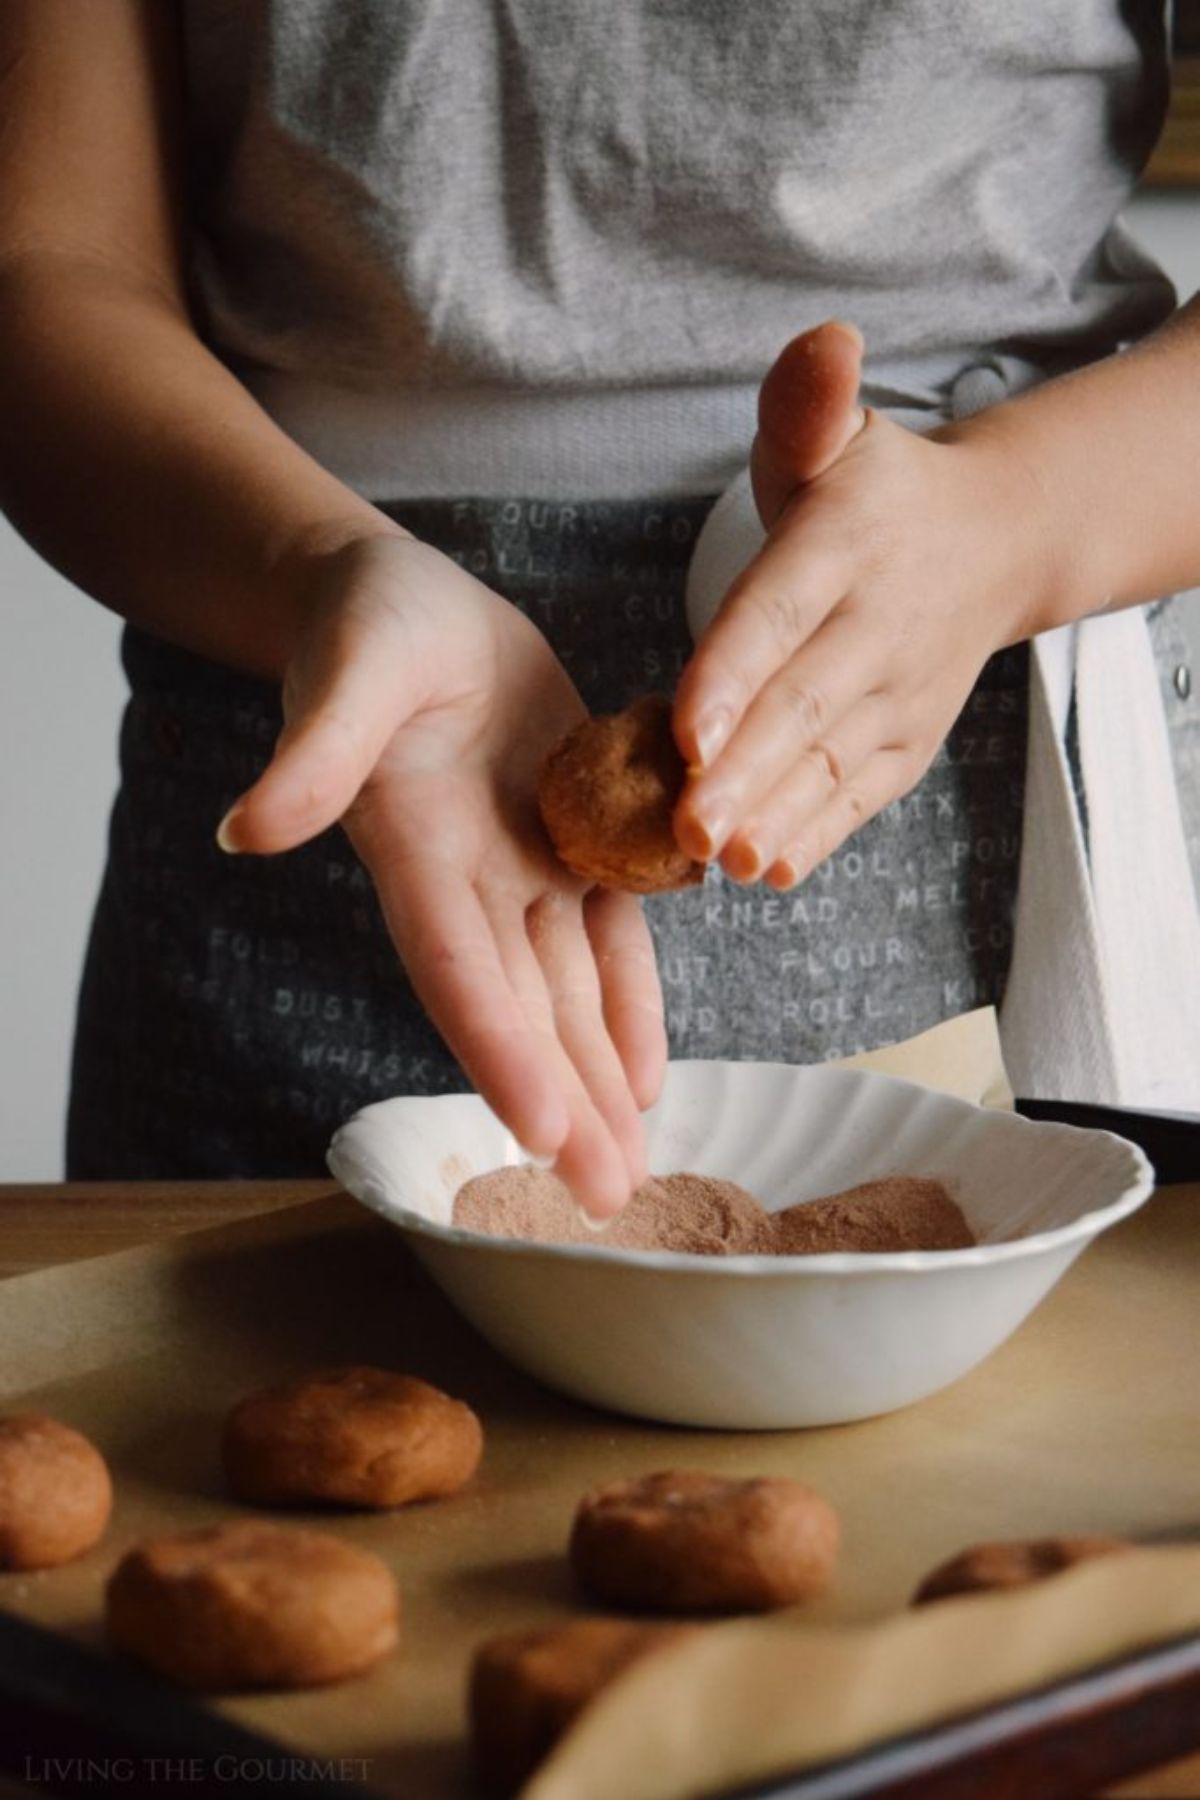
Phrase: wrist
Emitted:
{"points": [[318, 565], [1045, 573]]}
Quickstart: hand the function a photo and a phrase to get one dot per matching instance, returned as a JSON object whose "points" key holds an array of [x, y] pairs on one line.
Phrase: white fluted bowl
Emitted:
{"points": [[759, 1342]]}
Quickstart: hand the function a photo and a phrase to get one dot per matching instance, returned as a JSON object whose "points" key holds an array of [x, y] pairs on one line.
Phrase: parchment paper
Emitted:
{"points": [[1085, 1421], [961, 1056]]}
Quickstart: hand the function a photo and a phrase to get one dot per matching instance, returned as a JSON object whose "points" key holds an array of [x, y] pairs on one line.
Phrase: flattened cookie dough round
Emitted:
{"points": [[354, 1437], [55, 1492], [527, 1687], [1011, 1565], [252, 1605], [607, 795], [686, 1542]]}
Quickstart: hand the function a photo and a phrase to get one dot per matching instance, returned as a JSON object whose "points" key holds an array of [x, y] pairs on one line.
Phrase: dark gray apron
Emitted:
{"points": [[235, 1009]]}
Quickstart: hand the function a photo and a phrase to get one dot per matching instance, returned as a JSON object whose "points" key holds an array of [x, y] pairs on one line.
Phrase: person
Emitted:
{"points": [[380, 364]]}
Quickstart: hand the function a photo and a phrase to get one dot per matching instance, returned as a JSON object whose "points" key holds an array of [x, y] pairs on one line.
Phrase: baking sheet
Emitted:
{"points": [[1086, 1421]]}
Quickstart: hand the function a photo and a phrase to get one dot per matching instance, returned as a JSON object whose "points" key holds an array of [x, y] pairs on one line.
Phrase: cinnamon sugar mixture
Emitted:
{"points": [[708, 1217]]}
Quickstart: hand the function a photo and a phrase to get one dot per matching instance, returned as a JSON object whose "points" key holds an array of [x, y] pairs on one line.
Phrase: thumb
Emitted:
{"points": [[808, 412], [350, 687]]}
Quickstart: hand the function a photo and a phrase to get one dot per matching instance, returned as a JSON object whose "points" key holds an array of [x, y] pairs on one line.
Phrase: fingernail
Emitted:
{"points": [[225, 832], [795, 863], [703, 837], [711, 735], [595, 1226], [850, 331], [744, 860], [536, 1162]]}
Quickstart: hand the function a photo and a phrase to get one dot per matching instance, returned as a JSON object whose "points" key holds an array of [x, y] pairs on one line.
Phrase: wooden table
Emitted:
{"points": [[46, 1223], [43, 1225]]}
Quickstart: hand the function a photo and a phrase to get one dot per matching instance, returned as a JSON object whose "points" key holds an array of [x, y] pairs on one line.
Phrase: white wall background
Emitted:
{"points": [[60, 697]]}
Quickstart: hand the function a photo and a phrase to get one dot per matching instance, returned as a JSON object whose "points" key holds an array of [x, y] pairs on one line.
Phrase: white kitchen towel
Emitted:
{"points": [[1108, 935], [1137, 851], [1103, 995]]}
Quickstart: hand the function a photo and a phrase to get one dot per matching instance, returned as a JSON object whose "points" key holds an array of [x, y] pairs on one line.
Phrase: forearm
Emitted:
{"points": [[1112, 460], [143, 470]]}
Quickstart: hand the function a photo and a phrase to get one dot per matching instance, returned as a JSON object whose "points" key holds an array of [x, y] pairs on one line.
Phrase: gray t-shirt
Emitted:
{"points": [[550, 246]]}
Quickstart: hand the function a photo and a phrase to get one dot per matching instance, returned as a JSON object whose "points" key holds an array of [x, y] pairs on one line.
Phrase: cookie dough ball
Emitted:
{"points": [[607, 794], [686, 1542], [527, 1687], [55, 1492], [252, 1606], [358, 1437], [1010, 1565]]}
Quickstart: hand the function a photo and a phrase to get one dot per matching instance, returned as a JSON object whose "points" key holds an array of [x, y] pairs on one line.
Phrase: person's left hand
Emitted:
{"points": [[895, 566]]}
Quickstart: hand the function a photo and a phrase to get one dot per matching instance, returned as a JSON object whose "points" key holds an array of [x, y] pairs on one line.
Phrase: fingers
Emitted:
{"points": [[364, 678], [597, 1167], [776, 604], [517, 996], [782, 815], [630, 988], [807, 413], [794, 716], [882, 778], [449, 949], [559, 942]]}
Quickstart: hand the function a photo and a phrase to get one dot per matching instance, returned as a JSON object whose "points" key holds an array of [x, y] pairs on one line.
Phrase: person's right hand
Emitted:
{"points": [[418, 708]]}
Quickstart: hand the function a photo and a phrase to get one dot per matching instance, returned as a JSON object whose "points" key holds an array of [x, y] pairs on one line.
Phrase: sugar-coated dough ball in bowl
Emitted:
{"points": [[354, 1437], [607, 795], [55, 1492], [681, 1541], [252, 1605]]}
